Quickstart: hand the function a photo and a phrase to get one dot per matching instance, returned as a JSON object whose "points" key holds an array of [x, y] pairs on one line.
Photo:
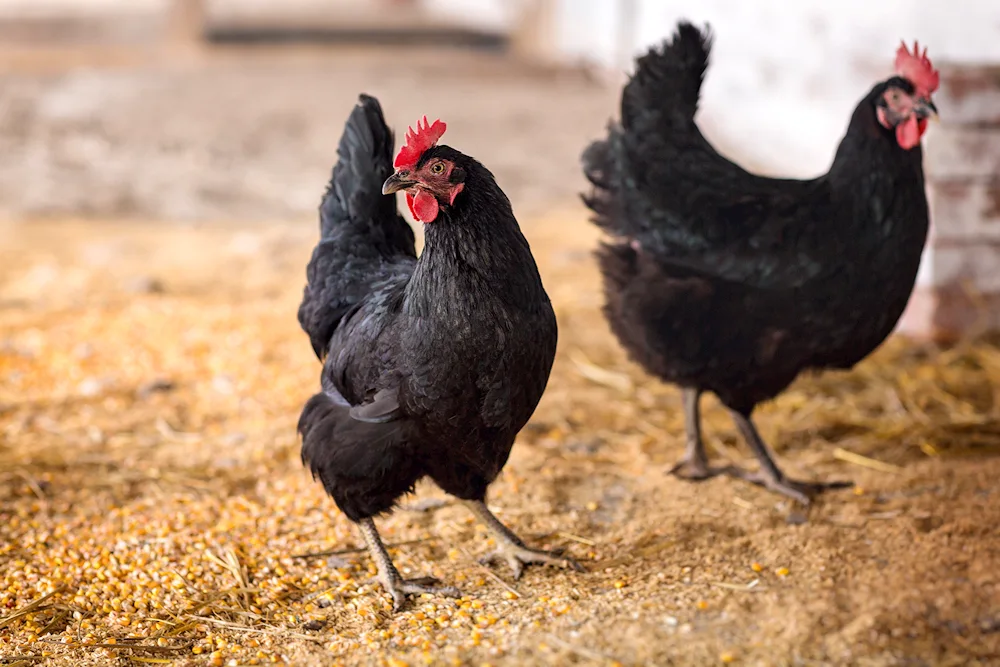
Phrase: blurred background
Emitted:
{"points": [[207, 109], [161, 162], [211, 110]]}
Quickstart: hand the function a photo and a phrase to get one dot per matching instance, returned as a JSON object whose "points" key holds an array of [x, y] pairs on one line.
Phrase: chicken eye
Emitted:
{"points": [[437, 168]]}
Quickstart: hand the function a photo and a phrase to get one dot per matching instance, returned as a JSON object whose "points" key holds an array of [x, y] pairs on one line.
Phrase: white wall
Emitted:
{"points": [[29, 8], [784, 76], [485, 14]]}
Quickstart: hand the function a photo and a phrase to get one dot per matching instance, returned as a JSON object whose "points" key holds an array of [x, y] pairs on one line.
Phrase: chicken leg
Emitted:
{"points": [[510, 548], [389, 576], [693, 465], [770, 475]]}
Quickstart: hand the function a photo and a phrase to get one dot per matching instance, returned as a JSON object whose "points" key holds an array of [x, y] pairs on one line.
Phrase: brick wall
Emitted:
{"points": [[958, 289]]}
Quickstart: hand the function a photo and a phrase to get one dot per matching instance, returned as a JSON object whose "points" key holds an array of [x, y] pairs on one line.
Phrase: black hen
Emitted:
{"points": [[432, 364], [720, 280]]}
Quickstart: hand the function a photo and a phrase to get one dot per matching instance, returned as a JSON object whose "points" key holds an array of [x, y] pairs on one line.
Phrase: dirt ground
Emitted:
{"points": [[151, 481], [153, 509]]}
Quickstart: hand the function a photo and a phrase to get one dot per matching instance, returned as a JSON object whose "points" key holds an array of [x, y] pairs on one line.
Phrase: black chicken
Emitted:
{"points": [[432, 364], [720, 280]]}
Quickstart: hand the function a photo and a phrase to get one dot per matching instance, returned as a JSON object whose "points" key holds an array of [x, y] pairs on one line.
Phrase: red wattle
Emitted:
{"points": [[908, 133], [423, 206]]}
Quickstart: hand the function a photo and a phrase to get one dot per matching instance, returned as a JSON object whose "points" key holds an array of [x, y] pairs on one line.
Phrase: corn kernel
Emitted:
{"points": [[756, 567], [727, 658], [702, 605], [782, 572]]}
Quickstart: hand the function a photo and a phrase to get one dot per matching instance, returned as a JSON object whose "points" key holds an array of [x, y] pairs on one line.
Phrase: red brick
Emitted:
{"points": [[956, 151], [965, 210], [947, 314], [970, 264], [969, 95], [958, 287]]}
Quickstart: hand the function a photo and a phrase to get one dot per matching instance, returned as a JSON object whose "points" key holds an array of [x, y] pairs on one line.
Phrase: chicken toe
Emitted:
{"points": [[399, 588], [799, 491], [770, 475], [516, 557], [695, 469], [389, 576], [512, 550]]}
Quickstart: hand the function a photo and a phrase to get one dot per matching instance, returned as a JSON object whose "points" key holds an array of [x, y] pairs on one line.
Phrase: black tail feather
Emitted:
{"points": [[364, 161], [363, 240], [667, 82], [364, 466], [602, 171], [658, 107]]}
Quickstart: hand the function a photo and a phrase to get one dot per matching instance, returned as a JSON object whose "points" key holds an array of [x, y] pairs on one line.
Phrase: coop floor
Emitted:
{"points": [[150, 482]]}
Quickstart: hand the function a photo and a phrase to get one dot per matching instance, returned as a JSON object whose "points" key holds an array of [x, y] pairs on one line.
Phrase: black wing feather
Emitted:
{"points": [[660, 183], [363, 239]]}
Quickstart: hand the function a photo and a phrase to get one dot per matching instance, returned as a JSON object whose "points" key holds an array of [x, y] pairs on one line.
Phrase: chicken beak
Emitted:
{"points": [[395, 183], [926, 109]]}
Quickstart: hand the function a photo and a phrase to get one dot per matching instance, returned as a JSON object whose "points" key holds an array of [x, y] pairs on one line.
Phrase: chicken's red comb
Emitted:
{"points": [[418, 141], [916, 68]]}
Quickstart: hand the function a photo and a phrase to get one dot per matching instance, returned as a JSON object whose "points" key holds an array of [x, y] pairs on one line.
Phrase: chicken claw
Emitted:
{"points": [[516, 557], [770, 475], [512, 550], [399, 588], [695, 469], [389, 577], [802, 492]]}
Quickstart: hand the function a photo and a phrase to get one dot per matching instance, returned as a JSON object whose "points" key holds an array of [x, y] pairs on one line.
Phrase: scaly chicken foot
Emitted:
{"points": [[770, 475], [389, 576], [694, 469], [693, 466], [799, 491], [511, 550]]}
